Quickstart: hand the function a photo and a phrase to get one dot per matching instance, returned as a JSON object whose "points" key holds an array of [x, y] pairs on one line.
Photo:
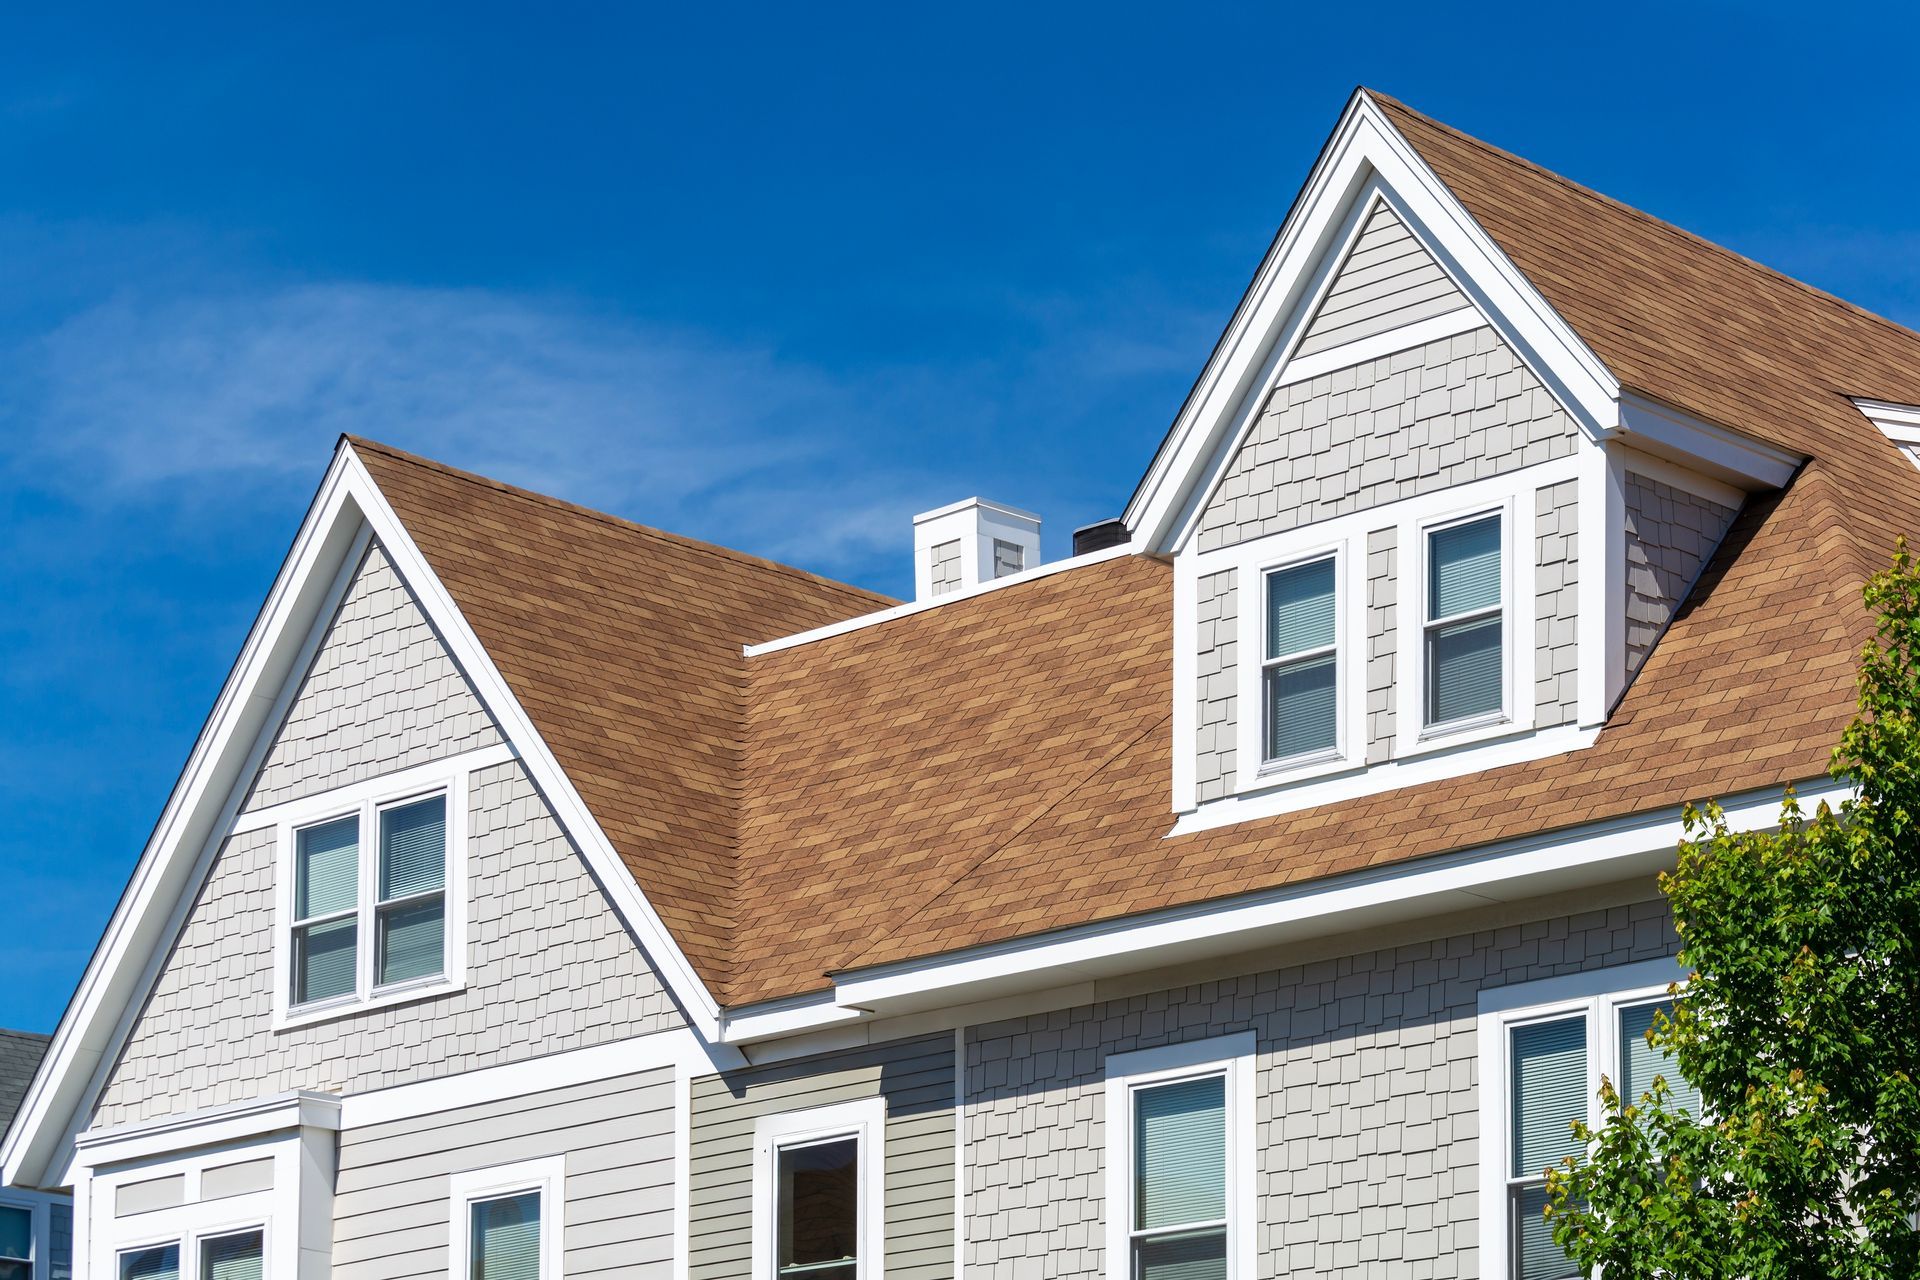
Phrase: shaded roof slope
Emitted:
{"points": [[623, 643], [20, 1054]]}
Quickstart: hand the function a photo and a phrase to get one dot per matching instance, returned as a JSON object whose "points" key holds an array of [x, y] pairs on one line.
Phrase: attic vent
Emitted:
{"points": [[969, 543], [1899, 423]]}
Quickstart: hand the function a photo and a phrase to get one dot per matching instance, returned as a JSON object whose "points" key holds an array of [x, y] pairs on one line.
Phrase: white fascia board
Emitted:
{"points": [[210, 1126], [1728, 456], [1551, 862], [1900, 422], [1365, 155], [777, 1018]]}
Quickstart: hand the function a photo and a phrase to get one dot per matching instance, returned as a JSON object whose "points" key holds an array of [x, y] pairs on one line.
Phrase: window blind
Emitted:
{"points": [[1180, 1153], [1199, 1255], [159, 1263], [1300, 603], [327, 868], [1464, 573], [412, 940], [413, 848], [506, 1238], [235, 1257], [323, 960], [1640, 1062], [1535, 1255], [1464, 670], [1302, 707], [1549, 1093]]}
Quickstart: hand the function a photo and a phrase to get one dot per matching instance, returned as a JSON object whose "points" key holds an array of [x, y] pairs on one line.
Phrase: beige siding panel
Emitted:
{"points": [[916, 1078], [1387, 281], [391, 1200]]}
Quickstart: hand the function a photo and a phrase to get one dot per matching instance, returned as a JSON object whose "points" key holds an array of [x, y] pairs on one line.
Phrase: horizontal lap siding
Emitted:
{"points": [[917, 1079], [390, 1197], [1389, 280]]}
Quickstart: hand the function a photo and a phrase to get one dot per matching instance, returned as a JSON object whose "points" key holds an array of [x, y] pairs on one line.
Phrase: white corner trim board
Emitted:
{"points": [[346, 512]]}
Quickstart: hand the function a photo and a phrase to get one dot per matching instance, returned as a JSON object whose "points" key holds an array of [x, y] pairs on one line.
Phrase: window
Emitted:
{"points": [[16, 1243], [240, 1256], [1551, 1042], [1181, 1161], [1465, 623], [369, 917], [1299, 671], [1008, 557], [818, 1211], [155, 1262], [507, 1222]]}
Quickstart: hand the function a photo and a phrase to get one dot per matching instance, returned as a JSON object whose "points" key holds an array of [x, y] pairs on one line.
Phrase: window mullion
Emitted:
{"points": [[369, 890]]}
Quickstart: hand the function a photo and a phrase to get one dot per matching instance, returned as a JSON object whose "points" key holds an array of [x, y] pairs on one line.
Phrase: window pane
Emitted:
{"points": [[323, 960], [16, 1232], [1463, 670], [413, 848], [1535, 1255], [1180, 1155], [506, 1238], [1549, 1093], [1302, 710], [412, 940], [1300, 608], [819, 1189], [11, 1270], [235, 1257], [1640, 1062], [327, 868], [160, 1263], [1465, 568], [1198, 1255]]}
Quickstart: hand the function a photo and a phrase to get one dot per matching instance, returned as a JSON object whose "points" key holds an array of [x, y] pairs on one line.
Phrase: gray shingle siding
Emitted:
{"points": [[1556, 679], [391, 1210], [1670, 535], [1452, 411], [1366, 1121], [1388, 280], [1383, 588], [1216, 719], [917, 1079], [537, 922], [382, 694], [946, 568]]}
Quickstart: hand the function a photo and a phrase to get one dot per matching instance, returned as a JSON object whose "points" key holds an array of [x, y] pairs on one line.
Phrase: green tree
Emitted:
{"points": [[1800, 1028]]}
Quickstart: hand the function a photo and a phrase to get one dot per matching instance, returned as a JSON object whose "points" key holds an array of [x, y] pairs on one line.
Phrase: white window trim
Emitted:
{"points": [[547, 1175], [866, 1122], [1349, 626], [39, 1226], [1417, 734], [1597, 995], [365, 801], [1231, 1056]]}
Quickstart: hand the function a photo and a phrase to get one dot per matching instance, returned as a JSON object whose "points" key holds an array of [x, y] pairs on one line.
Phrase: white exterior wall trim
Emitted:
{"points": [[865, 1121], [209, 1126], [547, 1176], [1727, 456]]}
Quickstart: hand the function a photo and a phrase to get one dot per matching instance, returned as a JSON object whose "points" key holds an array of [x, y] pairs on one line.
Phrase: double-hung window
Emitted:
{"points": [[817, 1211], [1552, 1059], [1465, 623], [368, 909], [229, 1255], [1180, 1161], [16, 1242], [1300, 667], [508, 1221]]}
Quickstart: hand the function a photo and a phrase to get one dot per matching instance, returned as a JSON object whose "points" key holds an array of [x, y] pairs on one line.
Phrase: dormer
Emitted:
{"points": [[1418, 529]]}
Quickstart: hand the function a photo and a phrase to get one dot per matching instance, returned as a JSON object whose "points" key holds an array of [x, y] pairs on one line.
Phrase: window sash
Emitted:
{"points": [[848, 1217], [1478, 604], [1640, 1062], [1182, 1121], [507, 1249], [234, 1255], [149, 1262], [1300, 682], [16, 1233]]}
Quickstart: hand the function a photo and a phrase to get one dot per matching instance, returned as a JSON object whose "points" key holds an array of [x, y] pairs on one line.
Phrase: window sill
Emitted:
{"points": [[1283, 773], [1437, 739], [385, 998]]}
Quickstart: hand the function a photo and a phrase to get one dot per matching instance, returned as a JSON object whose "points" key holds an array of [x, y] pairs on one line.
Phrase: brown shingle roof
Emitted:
{"points": [[999, 766]]}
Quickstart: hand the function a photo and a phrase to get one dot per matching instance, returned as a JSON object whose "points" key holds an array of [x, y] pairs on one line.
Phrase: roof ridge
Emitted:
{"points": [[1657, 223], [619, 522]]}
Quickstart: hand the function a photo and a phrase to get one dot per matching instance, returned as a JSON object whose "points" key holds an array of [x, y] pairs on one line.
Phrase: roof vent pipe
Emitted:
{"points": [[1100, 535]]}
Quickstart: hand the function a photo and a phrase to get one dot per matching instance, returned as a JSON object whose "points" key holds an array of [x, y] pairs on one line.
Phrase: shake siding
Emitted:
{"points": [[1388, 280], [916, 1078], [1216, 673], [1556, 693], [391, 1210], [1670, 534]]}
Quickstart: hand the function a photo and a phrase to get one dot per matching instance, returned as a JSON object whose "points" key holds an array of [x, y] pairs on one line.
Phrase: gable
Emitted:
{"points": [[1388, 281], [382, 694]]}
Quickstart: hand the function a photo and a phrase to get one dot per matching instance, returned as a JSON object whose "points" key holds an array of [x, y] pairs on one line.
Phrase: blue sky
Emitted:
{"points": [[778, 277]]}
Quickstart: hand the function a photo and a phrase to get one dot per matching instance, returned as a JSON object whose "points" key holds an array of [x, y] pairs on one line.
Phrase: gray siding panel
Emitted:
{"points": [[382, 694], [1382, 602], [917, 1079], [1388, 280], [1670, 535], [60, 1223], [1366, 1112], [1455, 410], [1556, 680], [1216, 722], [391, 1207]]}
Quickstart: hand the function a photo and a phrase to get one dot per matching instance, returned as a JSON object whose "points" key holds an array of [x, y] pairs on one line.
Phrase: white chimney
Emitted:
{"points": [[971, 542]]}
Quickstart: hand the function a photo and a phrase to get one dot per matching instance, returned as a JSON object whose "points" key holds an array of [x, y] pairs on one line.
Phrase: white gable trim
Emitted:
{"points": [[1366, 156], [347, 511]]}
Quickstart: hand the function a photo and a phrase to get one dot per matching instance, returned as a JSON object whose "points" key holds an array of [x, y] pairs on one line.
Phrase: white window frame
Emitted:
{"points": [[39, 1228], [1598, 996], [366, 801], [1421, 625], [1343, 662], [191, 1223], [1258, 559], [547, 1175], [865, 1121], [1231, 1056]]}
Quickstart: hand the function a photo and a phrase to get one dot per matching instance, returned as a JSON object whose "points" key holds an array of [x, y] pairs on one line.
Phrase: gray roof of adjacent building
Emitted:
{"points": [[20, 1054]]}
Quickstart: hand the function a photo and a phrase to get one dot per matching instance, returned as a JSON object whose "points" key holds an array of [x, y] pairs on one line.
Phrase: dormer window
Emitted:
{"points": [[1300, 672], [1465, 623]]}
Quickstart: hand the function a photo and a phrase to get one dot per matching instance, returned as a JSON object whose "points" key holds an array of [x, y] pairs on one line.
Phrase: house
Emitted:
{"points": [[36, 1227], [1258, 892]]}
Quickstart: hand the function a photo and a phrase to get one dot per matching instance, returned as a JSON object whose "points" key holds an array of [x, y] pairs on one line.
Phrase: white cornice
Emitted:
{"points": [[1729, 456], [210, 1126], [1900, 422]]}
